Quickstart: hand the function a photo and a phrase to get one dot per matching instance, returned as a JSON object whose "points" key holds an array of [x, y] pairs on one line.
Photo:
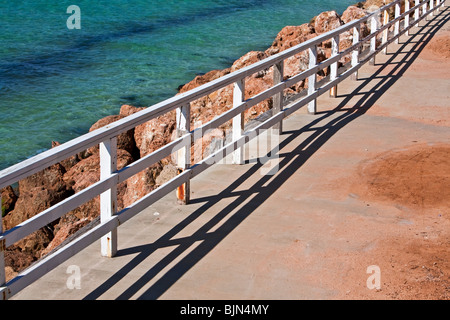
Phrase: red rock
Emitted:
{"points": [[202, 79], [69, 162], [87, 171], [327, 21], [79, 177], [375, 3], [353, 13], [84, 174], [10, 273], [64, 231], [49, 178], [291, 36], [31, 203], [208, 107], [37, 193], [21, 254], [141, 184], [168, 172], [155, 133], [125, 140], [34, 243], [9, 199], [202, 147], [248, 59], [127, 110], [16, 261]]}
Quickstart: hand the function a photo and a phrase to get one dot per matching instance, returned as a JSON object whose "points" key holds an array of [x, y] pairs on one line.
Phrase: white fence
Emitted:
{"points": [[106, 137]]}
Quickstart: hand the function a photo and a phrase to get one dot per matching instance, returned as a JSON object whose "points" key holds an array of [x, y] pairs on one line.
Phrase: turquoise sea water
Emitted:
{"points": [[55, 82]]}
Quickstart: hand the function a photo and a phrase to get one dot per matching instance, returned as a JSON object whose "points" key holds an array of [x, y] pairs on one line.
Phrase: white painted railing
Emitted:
{"points": [[106, 137]]}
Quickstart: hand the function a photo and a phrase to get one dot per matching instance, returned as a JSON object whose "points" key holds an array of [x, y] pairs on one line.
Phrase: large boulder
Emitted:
{"points": [[353, 13], [202, 79], [127, 110], [291, 36], [141, 184], [255, 84], [125, 140], [288, 37], [208, 107], [33, 244], [168, 172], [37, 193], [65, 230], [213, 139], [9, 199], [149, 137], [16, 261], [70, 161], [155, 133], [346, 38], [248, 59], [327, 21], [82, 175], [375, 3]]}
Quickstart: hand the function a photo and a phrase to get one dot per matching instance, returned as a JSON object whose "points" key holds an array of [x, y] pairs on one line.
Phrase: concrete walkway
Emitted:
{"points": [[249, 235]]}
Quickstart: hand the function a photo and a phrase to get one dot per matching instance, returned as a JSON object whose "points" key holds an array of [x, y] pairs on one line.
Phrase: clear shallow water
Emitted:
{"points": [[55, 82]]}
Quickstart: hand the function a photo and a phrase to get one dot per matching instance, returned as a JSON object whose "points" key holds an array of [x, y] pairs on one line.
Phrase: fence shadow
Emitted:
{"points": [[249, 200]]}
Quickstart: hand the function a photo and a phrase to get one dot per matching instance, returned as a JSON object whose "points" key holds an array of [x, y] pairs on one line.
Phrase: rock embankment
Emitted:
{"points": [[44, 189]]}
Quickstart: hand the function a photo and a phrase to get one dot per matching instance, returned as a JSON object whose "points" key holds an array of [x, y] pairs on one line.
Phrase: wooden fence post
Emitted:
{"points": [[278, 77], [334, 66], [238, 121], [397, 24], [355, 53], [373, 40], [184, 154], [312, 106], [417, 12], [406, 25], [108, 199], [386, 31], [2, 258]]}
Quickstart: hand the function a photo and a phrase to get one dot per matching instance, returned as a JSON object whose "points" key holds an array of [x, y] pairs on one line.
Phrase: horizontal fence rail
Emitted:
{"points": [[362, 51]]}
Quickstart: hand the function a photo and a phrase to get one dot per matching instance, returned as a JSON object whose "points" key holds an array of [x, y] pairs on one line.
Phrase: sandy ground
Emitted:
{"points": [[412, 254], [415, 179]]}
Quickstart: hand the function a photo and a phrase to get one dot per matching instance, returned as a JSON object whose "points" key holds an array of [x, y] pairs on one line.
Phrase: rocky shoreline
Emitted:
{"points": [[44, 189]]}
